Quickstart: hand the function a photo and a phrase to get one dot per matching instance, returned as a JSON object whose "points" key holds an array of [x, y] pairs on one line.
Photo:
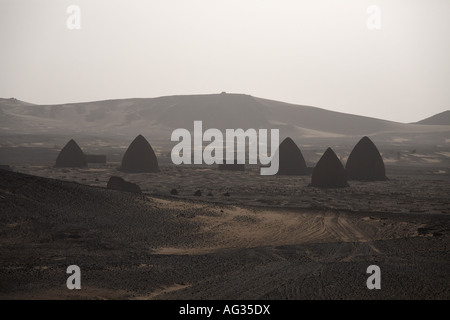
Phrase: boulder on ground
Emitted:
{"points": [[119, 184]]}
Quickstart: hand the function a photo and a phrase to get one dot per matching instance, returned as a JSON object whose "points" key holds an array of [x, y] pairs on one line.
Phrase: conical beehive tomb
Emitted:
{"points": [[139, 157], [291, 159], [329, 172], [365, 162], [71, 156]]}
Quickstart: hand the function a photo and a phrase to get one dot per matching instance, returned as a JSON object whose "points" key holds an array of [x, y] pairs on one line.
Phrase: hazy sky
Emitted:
{"points": [[316, 52]]}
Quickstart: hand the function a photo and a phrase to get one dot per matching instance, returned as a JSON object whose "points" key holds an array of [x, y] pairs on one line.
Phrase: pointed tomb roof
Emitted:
{"points": [[139, 157], [71, 156], [365, 162], [291, 159], [329, 172]]}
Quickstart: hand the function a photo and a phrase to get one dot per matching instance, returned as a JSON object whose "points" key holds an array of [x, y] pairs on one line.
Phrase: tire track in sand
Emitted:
{"points": [[340, 227]]}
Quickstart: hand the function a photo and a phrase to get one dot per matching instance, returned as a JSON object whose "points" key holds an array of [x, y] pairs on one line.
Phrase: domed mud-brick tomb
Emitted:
{"points": [[291, 159], [139, 157], [365, 162], [71, 156], [329, 172]]}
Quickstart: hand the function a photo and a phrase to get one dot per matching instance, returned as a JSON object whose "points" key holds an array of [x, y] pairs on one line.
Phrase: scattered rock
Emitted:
{"points": [[431, 231]]}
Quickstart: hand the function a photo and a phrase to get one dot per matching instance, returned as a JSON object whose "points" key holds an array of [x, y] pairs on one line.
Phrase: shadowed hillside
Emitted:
{"points": [[442, 119], [156, 118]]}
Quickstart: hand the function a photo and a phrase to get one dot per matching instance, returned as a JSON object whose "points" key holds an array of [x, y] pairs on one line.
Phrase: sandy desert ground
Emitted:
{"points": [[409, 188], [271, 238]]}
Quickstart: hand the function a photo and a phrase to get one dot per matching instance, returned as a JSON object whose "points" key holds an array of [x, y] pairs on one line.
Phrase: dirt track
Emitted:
{"points": [[132, 246]]}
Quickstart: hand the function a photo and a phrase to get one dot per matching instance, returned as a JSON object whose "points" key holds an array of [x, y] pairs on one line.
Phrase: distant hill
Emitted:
{"points": [[13, 102], [442, 119], [156, 118]]}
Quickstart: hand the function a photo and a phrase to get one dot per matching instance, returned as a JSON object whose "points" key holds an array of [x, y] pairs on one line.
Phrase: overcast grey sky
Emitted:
{"points": [[315, 52]]}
